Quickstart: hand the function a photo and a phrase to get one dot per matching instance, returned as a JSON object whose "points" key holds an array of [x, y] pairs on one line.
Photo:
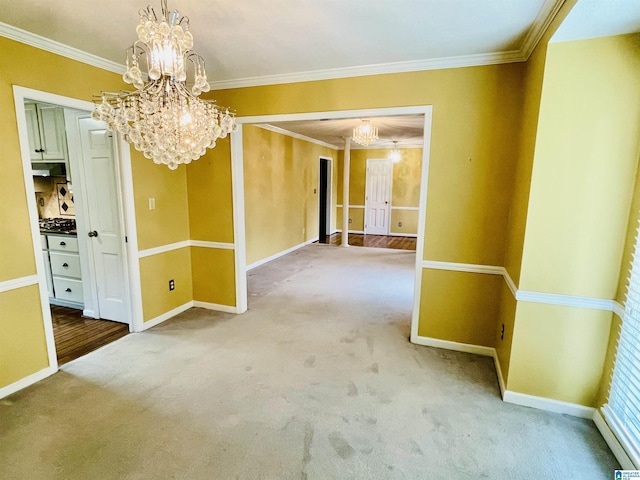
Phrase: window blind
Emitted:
{"points": [[623, 408]]}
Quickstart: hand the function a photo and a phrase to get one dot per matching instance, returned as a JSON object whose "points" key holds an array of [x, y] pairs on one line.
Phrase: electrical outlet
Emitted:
{"points": [[350, 221], [502, 333], [172, 285], [314, 191], [152, 203], [42, 202], [399, 224]]}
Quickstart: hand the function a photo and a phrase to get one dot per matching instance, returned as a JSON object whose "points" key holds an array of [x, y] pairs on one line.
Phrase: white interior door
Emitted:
{"points": [[104, 226], [378, 196]]}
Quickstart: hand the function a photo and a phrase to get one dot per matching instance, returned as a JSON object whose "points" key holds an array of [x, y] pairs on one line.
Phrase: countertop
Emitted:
{"points": [[69, 233]]}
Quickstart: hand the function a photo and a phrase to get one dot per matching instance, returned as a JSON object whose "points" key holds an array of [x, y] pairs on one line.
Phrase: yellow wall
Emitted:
{"points": [[213, 275], [582, 185], [459, 306], [23, 350], [585, 163], [155, 273], [504, 337], [404, 221], [281, 191], [558, 352]]}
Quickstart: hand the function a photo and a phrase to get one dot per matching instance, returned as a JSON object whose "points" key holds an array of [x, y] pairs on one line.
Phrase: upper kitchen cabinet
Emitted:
{"points": [[45, 129]]}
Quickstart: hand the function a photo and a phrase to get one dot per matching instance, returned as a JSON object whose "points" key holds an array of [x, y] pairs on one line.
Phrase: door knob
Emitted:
{"points": [[93, 233]]}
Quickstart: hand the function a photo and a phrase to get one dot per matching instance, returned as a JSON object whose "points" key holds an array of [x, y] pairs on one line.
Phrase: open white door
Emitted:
{"points": [[378, 195], [104, 219]]}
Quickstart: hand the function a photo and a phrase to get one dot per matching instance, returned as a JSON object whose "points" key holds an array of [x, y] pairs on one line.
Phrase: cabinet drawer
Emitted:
{"points": [[65, 264], [61, 243], [68, 289]]}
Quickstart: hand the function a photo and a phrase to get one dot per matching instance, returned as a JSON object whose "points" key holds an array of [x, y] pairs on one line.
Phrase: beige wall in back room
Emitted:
{"points": [[281, 199]]}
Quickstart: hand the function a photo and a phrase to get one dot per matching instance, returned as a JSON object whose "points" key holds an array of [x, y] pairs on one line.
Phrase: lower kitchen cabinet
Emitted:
{"points": [[64, 261]]}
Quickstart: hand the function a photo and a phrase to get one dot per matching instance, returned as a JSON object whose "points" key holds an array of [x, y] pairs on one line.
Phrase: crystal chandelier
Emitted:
{"points": [[395, 155], [366, 133], [164, 119]]}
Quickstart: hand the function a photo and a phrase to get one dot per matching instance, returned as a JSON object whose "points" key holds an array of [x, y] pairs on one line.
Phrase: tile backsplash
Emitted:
{"points": [[54, 197]]}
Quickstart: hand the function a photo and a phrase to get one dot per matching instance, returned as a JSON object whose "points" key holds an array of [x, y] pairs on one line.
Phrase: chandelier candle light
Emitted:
{"points": [[164, 119], [395, 156], [366, 133]]}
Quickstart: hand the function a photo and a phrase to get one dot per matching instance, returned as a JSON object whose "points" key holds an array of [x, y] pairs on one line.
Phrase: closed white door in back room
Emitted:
{"points": [[378, 196]]}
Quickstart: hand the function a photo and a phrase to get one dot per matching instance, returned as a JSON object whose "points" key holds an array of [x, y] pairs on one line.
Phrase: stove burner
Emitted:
{"points": [[61, 224]]}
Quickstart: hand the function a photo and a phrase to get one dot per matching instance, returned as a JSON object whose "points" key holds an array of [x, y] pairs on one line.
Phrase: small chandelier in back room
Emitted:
{"points": [[366, 133], [164, 119]]}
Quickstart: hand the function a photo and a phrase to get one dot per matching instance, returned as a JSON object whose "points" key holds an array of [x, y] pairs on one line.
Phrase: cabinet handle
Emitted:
{"points": [[63, 244], [65, 265], [68, 290]]}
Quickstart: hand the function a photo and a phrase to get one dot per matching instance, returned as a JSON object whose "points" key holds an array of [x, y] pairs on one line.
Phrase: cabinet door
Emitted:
{"points": [[33, 132], [52, 134]]}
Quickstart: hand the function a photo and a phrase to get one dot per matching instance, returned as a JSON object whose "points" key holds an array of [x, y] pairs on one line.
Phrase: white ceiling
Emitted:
{"points": [[272, 41], [262, 42], [407, 130], [599, 18]]}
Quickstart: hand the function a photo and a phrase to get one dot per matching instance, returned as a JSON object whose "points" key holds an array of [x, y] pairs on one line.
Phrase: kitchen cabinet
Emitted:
{"points": [[46, 133], [65, 269]]}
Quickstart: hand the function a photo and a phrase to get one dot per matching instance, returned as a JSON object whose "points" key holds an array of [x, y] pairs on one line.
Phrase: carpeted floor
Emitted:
{"points": [[316, 381]]}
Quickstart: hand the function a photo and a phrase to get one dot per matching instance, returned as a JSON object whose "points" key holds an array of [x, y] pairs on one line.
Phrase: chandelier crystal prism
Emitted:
{"points": [[164, 118], [365, 134]]}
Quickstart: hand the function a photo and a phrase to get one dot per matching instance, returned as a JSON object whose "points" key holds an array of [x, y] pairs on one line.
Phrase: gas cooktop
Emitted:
{"points": [[57, 224]]}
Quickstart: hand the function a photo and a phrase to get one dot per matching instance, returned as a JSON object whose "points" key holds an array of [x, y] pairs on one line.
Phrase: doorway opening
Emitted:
{"points": [[324, 201], [74, 189]]}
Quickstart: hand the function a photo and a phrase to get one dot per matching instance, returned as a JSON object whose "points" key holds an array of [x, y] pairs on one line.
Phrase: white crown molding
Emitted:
{"points": [[546, 15], [15, 283], [43, 43], [299, 136], [375, 69]]}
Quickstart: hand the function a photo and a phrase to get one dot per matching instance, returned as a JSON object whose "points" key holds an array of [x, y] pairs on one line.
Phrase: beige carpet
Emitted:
{"points": [[316, 381]]}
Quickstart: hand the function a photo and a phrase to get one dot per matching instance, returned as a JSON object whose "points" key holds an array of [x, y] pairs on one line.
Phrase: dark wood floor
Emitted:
{"points": [[378, 241], [76, 335]]}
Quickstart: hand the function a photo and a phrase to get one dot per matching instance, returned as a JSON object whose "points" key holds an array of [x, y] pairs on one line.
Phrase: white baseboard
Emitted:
{"points": [[457, 346], [613, 443], [548, 404], [280, 254], [496, 361], [27, 381], [215, 306], [167, 315], [361, 232], [411, 235]]}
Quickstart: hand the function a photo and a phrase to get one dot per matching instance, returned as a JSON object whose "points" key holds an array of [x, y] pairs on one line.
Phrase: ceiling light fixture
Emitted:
{"points": [[164, 119], [366, 133], [395, 155]]}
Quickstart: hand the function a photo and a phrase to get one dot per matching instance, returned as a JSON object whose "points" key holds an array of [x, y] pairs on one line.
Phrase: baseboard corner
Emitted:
{"points": [[167, 315], [27, 381], [548, 404], [450, 345]]}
